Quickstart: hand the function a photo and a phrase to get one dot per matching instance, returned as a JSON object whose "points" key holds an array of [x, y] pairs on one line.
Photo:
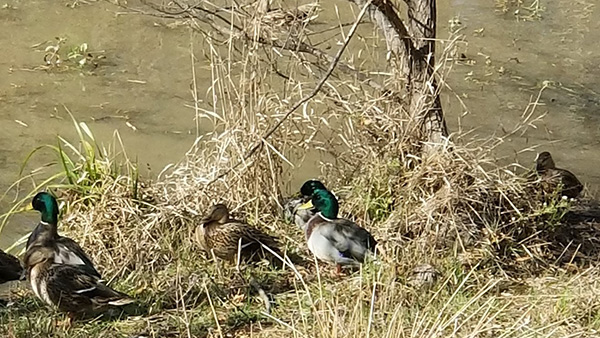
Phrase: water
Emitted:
{"points": [[144, 82], [561, 50]]}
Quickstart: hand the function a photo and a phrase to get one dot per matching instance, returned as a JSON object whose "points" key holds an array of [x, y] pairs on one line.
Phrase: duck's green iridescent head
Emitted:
{"points": [[325, 202], [309, 187], [47, 205]]}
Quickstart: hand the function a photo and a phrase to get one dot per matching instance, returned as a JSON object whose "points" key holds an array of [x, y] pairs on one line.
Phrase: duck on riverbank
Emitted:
{"points": [[332, 239], [556, 179]]}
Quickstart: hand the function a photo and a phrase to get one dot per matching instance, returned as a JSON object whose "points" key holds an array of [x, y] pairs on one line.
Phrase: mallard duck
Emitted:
{"points": [[291, 211], [10, 268], [72, 288], [222, 235], [554, 178], [332, 239], [66, 250]]}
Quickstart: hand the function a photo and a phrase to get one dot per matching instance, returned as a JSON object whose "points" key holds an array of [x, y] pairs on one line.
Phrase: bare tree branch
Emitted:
{"points": [[411, 44], [229, 29], [396, 35], [299, 103]]}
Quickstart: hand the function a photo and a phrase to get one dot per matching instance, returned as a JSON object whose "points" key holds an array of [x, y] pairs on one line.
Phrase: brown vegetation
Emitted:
{"points": [[501, 254]]}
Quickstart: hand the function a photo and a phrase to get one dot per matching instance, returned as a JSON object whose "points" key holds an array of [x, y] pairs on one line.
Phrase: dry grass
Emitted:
{"points": [[509, 261]]}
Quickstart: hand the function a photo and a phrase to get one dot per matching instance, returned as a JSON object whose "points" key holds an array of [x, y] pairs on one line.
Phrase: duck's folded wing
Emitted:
{"points": [[289, 208], [570, 180], [293, 214], [75, 281], [69, 252], [348, 238]]}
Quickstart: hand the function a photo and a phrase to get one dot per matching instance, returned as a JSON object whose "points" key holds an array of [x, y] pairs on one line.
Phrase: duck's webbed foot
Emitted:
{"points": [[67, 323], [338, 271]]}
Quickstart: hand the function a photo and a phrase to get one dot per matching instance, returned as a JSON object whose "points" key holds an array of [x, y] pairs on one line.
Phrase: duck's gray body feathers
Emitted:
{"points": [[338, 241]]}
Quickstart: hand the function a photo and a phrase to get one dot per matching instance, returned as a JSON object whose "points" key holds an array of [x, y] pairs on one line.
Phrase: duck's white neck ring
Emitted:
{"points": [[44, 223], [323, 217]]}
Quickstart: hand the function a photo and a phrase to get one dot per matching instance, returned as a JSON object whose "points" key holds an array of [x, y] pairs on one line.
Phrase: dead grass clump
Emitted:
{"points": [[457, 199]]}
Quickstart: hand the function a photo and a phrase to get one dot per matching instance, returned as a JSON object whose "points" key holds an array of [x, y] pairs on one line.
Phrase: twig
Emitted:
{"points": [[305, 99]]}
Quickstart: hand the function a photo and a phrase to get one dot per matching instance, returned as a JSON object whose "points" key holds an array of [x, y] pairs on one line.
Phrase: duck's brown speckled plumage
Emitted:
{"points": [[222, 235], [553, 177]]}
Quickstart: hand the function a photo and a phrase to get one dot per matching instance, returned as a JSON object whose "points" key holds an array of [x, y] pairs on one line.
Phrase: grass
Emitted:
{"points": [[511, 262], [140, 239], [75, 57]]}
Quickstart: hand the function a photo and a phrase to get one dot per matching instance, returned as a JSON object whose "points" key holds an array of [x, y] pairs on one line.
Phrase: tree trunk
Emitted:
{"points": [[424, 95], [413, 47]]}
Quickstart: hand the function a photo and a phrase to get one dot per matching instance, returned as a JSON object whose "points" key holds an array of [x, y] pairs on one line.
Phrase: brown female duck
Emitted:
{"points": [[554, 178], [223, 236]]}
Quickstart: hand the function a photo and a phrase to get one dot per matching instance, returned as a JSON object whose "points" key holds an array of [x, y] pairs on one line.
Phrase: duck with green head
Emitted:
{"points": [[332, 239], [67, 250], [291, 209], [60, 272]]}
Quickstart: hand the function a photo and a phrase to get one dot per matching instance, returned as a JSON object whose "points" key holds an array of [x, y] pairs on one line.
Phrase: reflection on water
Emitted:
{"points": [[145, 81]]}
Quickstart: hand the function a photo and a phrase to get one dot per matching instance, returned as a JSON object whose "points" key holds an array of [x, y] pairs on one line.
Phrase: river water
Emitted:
{"points": [[141, 86]]}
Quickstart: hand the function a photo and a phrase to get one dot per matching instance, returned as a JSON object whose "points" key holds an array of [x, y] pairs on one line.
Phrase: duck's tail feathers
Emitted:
{"points": [[122, 301]]}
